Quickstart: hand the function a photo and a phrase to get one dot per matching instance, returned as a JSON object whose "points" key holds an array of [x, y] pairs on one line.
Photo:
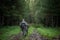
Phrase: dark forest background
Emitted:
{"points": [[46, 12]]}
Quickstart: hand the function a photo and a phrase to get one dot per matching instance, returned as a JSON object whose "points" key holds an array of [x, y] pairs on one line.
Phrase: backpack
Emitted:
{"points": [[23, 25]]}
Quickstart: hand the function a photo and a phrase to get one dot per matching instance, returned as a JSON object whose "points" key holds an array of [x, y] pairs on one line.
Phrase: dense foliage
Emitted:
{"points": [[33, 11]]}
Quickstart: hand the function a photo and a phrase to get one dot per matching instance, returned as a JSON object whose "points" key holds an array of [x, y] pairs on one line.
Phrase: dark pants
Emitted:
{"points": [[24, 30]]}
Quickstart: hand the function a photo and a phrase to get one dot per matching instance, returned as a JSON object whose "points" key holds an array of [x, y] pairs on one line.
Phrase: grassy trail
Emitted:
{"points": [[41, 33]]}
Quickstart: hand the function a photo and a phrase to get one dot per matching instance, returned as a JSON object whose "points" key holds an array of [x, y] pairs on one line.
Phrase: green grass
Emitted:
{"points": [[31, 29], [49, 32], [12, 30], [8, 31]]}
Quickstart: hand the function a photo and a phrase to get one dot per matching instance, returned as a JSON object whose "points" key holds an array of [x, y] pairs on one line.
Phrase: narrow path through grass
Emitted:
{"points": [[14, 30]]}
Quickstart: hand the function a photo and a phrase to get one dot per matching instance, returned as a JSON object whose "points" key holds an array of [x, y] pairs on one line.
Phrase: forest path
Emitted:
{"points": [[34, 36]]}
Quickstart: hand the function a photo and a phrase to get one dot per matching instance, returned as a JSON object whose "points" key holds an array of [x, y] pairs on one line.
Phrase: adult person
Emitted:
{"points": [[24, 27]]}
